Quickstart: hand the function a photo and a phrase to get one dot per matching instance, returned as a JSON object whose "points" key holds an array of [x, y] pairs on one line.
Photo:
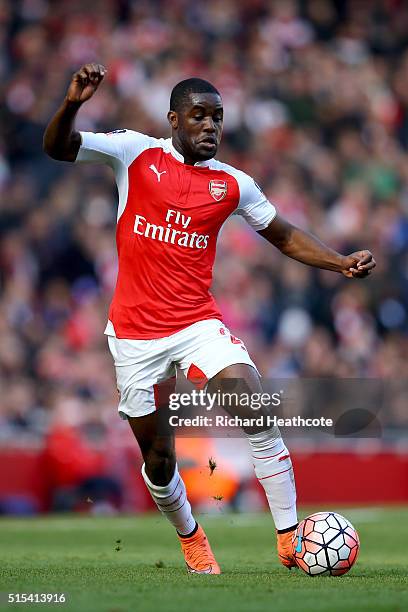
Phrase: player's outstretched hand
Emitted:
{"points": [[85, 82], [359, 264]]}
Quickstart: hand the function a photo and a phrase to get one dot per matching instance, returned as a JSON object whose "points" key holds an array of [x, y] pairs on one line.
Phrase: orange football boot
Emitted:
{"points": [[198, 554], [285, 549]]}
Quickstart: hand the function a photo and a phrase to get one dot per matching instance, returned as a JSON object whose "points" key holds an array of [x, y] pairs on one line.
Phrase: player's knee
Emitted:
{"points": [[160, 462]]}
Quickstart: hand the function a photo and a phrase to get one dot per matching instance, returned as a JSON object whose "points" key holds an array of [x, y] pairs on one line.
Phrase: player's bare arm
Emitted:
{"points": [[304, 247], [61, 140]]}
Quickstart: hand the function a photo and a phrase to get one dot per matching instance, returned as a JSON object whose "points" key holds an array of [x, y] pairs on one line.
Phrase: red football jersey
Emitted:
{"points": [[169, 217]]}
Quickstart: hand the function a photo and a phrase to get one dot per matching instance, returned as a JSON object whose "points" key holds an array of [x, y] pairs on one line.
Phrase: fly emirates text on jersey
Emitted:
{"points": [[181, 237]]}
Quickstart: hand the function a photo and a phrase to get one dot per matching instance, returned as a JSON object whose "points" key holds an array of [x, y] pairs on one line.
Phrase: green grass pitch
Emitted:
{"points": [[78, 555]]}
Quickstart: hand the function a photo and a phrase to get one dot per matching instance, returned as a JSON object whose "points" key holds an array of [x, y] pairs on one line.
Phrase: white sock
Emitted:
{"points": [[172, 502], [274, 471]]}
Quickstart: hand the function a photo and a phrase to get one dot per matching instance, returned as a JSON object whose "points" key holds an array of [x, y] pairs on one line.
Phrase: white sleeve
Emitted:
{"points": [[117, 146], [253, 205]]}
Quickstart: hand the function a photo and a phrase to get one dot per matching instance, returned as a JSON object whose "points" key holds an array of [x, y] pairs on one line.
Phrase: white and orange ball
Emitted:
{"points": [[325, 543]]}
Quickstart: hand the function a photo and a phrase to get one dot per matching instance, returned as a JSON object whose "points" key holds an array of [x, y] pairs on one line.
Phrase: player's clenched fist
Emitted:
{"points": [[85, 82], [359, 264]]}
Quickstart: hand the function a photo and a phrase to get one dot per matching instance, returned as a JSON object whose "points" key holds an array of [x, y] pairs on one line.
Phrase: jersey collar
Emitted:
{"points": [[180, 158]]}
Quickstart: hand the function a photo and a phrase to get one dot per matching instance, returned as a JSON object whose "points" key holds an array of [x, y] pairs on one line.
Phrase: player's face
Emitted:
{"points": [[197, 128]]}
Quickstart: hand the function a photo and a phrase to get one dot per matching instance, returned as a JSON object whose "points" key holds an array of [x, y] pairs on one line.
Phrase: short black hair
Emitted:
{"points": [[184, 88]]}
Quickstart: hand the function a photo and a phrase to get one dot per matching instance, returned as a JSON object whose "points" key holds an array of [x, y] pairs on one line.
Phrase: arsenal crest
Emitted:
{"points": [[218, 190]]}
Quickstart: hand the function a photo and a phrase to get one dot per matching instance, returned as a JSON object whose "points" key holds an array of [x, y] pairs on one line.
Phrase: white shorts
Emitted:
{"points": [[146, 369]]}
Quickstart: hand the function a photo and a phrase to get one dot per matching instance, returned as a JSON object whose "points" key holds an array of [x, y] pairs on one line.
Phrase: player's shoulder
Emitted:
{"points": [[245, 182], [128, 135], [216, 164], [115, 148], [146, 141]]}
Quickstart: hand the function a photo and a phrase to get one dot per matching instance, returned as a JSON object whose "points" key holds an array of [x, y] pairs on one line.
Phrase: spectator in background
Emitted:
{"points": [[78, 473]]}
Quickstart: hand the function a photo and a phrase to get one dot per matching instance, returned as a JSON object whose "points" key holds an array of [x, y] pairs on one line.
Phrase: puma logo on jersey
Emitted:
{"points": [[157, 173]]}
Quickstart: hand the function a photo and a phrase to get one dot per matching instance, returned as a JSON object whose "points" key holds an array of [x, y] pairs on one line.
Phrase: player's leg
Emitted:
{"points": [[145, 379], [167, 489], [160, 472], [208, 353], [272, 463]]}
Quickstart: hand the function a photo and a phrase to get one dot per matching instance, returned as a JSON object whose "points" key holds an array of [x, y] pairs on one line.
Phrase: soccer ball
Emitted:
{"points": [[325, 543]]}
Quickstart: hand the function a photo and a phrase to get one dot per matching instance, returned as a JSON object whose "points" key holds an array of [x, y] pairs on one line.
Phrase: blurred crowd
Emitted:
{"points": [[316, 110]]}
